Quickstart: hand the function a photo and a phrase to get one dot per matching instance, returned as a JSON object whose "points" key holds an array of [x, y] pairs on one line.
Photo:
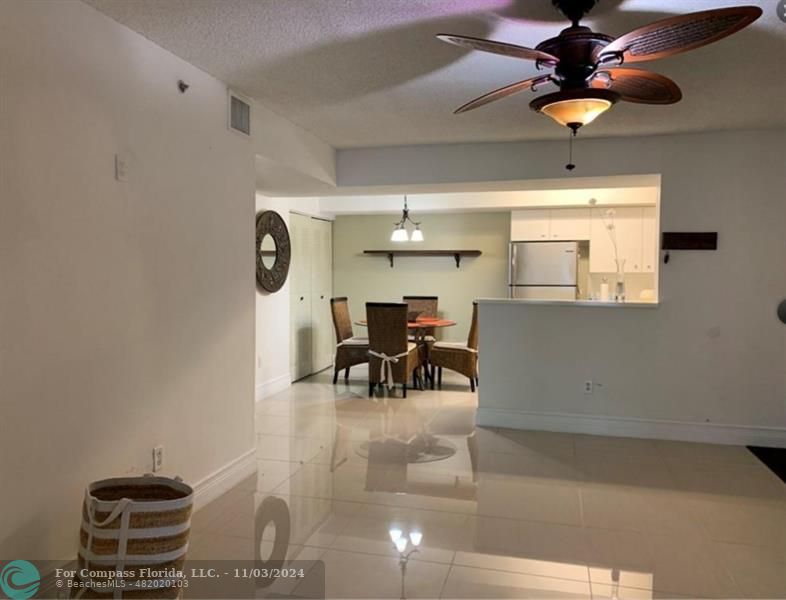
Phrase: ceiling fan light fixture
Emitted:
{"points": [[587, 65], [575, 113], [575, 108]]}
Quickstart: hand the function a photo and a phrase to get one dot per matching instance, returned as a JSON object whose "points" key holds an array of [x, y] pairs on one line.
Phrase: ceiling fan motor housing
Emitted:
{"points": [[578, 49]]}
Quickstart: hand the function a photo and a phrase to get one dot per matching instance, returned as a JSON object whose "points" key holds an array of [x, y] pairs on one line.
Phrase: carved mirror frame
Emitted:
{"points": [[269, 222]]}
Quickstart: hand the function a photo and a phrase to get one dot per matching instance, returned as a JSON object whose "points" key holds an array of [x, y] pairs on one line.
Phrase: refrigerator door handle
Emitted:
{"points": [[512, 265]]}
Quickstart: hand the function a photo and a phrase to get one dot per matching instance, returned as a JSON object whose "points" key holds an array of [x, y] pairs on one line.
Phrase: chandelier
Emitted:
{"points": [[400, 233]]}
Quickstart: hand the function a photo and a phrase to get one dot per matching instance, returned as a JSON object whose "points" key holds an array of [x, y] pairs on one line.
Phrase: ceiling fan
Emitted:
{"points": [[588, 66]]}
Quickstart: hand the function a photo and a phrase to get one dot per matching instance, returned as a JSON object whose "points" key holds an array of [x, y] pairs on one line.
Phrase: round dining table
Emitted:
{"points": [[420, 325]]}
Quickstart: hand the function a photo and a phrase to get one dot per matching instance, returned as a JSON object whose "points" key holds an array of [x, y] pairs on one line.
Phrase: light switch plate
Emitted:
{"points": [[121, 167], [158, 458]]}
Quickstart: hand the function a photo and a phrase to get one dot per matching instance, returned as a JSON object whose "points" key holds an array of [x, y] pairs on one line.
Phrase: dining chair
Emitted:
{"points": [[427, 307], [392, 357], [350, 350], [462, 358]]}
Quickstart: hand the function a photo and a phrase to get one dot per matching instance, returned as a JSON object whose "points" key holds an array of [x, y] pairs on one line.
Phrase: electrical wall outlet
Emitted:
{"points": [[589, 386], [158, 458]]}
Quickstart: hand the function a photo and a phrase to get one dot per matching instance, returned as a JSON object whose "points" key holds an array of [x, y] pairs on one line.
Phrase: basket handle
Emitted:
{"points": [[120, 509]]}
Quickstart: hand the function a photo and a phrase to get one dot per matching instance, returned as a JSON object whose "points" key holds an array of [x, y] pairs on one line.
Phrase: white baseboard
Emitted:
{"points": [[267, 388], [224, 479], [714, 433]]}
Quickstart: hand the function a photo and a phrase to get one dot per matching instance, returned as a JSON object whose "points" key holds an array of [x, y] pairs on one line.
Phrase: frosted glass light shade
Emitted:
{"points": [[581, 111], [401, 544], [416, 537], [395, 534], [417, 235], [576, 107], [399, 235]]}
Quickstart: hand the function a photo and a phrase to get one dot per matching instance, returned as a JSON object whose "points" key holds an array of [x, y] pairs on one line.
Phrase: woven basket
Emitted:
{"points": [[135, 522]]}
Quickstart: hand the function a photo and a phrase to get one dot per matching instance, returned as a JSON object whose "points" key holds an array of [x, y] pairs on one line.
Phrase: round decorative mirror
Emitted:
{"points": [[273, 251], [267, 251]]}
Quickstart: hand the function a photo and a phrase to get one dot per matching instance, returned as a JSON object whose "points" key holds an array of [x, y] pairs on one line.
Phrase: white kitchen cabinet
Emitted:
{"points": [[628, 231], [529, 225], [649, 239], [568, 224], [635, 228]]}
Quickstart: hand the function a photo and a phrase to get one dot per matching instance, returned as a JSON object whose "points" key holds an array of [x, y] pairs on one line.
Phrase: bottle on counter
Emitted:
{"points": [[604, 290]]}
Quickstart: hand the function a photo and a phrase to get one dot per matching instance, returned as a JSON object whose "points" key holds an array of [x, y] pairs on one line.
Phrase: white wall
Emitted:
{"points": [[126, 309], [490, 163], [272, 323], [713, 351], [273, 310], [281, 146], [487, 201]]}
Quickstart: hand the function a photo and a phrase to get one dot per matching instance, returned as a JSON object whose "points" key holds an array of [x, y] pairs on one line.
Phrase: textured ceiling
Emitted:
{"points": [[370, 72]]}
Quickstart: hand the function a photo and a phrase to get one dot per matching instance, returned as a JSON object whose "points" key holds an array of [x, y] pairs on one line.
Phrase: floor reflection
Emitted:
{"points": [[482, 513]]}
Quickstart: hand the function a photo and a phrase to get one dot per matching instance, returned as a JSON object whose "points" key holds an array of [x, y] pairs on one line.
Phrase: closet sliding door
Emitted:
{"points": [[323, 340], [300, 296], [312, 340]]}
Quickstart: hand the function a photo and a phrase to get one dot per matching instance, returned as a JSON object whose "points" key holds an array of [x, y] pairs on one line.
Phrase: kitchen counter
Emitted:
{"points": [[538, 358], [592, 303]]}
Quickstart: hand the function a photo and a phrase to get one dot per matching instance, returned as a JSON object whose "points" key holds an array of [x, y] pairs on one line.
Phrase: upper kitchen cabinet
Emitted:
{"points": [[556, 225], [628, 232], [529, 225], [569, 224]]}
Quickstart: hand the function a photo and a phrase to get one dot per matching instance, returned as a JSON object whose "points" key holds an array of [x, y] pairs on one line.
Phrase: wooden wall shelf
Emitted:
{"points": [[456, 254]]}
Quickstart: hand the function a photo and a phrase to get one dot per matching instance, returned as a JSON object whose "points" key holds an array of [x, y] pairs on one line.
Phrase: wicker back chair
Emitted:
{"points": [[462, 358], [392, 357], [427, 307], [342, 322], [350, 350], [472, 339]]}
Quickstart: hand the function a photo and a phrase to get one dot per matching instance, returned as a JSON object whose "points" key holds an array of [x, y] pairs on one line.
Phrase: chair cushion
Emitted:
{"points": [[452, 347], [355, 341]]}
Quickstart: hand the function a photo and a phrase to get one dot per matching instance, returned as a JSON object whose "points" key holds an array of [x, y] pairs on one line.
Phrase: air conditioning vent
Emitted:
{"points": [[239, 114]]}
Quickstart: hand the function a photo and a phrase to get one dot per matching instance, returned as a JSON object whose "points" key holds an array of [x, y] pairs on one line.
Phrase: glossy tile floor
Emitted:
{"points": [[501, 513]]}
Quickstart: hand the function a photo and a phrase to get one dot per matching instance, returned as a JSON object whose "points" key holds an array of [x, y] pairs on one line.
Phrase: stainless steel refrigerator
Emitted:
{"points": [[544, 270]]}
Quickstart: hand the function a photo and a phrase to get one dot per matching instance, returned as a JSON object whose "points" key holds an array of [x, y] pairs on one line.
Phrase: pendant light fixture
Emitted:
{"points": [[400, 233]]}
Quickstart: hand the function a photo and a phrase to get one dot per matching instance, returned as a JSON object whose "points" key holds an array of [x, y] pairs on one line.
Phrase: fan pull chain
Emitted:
{"points": [[570, 166]]}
